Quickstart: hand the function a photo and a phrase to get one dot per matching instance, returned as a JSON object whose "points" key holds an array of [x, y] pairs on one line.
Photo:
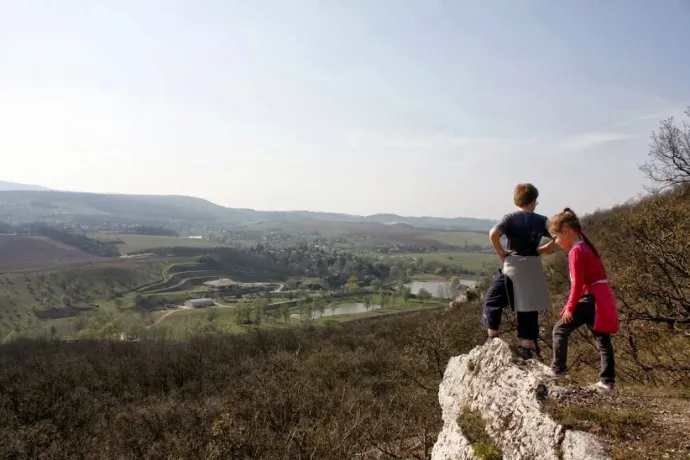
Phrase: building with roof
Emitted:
{"points": [[223, 284]]}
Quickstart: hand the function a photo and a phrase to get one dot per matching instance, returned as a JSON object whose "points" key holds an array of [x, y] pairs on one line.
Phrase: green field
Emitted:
{"points": [[477, 261], [458, 238], [134, 243]]}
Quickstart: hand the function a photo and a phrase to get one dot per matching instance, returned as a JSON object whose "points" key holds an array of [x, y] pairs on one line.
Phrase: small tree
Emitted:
{"points": [[285, 311], [454, 286], [351, 288], [669, 155], [424, 295], [376, 285]]}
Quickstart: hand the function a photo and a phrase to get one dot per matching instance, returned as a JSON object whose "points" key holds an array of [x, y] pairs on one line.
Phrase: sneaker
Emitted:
{"points": [[525, 353], [491, 338], [601, 386], [537, 351], [553, 375]]}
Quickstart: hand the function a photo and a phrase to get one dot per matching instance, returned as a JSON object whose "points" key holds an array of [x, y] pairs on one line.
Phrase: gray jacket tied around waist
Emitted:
{"points": [[530, 290]]}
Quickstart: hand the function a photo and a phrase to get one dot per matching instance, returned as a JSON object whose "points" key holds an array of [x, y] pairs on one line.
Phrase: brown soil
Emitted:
{"points": [[32, 252]]}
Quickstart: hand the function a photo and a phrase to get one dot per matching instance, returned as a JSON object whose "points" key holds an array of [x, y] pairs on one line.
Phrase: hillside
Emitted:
{"points": [[20, 206]]}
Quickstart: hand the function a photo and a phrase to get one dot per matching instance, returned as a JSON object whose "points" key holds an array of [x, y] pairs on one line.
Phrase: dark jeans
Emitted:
{"points": [[499, 296], [583, 314]]}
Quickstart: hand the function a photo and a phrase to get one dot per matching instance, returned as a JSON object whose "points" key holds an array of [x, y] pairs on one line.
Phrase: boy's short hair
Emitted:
{"points": [[525, 194]]}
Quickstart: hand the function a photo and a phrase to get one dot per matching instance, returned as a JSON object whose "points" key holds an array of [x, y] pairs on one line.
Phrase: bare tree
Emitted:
{"points": [[669, 157]]}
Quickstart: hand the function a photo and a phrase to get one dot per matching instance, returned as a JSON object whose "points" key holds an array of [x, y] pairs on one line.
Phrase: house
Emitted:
{"points": [[223, 284], [196, 303]]}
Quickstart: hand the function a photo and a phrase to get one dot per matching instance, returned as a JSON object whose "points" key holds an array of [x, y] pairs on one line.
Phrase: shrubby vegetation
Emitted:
{"points": [[359, 389]]}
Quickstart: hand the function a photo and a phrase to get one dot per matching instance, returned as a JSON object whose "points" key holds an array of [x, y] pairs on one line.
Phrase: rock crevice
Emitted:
{"points": [[507, 392]]}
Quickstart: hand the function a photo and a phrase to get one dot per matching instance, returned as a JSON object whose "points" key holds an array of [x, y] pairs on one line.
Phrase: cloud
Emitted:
{"points": [[590, 140]]}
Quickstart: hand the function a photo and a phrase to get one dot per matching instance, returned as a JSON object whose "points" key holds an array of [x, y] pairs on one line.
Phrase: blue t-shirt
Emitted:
{"points": [[524, 231]]}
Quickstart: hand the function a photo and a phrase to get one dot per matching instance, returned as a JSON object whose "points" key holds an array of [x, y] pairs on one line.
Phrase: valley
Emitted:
{"points": [[309, 338]]}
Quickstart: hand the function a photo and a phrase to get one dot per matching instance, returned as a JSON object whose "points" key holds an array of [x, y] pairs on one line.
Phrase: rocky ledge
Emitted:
{"points": [[503, 394]]}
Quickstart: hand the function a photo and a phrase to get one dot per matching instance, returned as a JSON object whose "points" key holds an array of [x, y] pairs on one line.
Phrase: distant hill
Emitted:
{"points": [[21, 206], [4, 186]]}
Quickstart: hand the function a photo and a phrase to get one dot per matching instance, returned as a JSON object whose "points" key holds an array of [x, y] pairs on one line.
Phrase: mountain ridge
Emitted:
{"points": [[10, 186], [20, 205]]}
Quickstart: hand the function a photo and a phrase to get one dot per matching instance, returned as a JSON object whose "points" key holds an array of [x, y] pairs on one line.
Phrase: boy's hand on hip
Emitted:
{"points": [[567, 316], [505, 254]]}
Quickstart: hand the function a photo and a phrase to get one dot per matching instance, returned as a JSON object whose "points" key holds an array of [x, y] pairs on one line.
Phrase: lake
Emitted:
{"points": [[341, 309], [434, 287]]}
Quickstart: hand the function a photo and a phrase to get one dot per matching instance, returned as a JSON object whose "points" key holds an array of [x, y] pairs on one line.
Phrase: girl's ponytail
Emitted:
{"points": [[589, 243]]}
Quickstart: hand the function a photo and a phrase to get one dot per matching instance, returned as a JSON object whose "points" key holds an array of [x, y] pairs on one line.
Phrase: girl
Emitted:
{"points": [[591, 299]]}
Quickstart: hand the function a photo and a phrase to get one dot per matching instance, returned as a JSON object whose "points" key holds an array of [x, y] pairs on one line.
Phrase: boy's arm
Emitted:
{"points": [[495, 236], [551, 244]]}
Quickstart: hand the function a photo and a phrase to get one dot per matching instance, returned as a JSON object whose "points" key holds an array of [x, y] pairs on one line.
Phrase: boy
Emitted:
{"points": [[522, 282]]}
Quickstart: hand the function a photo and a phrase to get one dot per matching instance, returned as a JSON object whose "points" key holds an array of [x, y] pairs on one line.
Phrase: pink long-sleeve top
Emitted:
{"points": [[588, 276]]}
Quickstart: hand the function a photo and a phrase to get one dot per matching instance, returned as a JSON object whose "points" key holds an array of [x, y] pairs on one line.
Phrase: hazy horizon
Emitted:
{"points": [[430, 109], [239, 207]]}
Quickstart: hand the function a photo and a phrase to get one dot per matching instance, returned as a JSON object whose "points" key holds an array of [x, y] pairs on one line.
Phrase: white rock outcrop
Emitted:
{"points": [[507, 391]]}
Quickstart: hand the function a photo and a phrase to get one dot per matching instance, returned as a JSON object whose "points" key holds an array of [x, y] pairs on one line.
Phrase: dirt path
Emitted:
{"points": [[176, 310]]}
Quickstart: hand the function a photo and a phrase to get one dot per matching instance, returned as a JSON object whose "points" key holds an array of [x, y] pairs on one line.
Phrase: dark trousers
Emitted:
{"points": [[500, 296], [583, 315]]}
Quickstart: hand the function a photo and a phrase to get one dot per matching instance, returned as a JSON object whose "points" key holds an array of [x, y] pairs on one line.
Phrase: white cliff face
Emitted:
{"points": [[507, 391]]}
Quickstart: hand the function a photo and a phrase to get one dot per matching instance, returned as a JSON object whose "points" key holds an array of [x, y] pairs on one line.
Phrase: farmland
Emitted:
{"points": [[33, 252], [359, 236], [458, 239]]}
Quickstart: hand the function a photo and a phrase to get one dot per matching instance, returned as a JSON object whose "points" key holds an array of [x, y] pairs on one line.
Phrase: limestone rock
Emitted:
{"points": [[507, 392]]}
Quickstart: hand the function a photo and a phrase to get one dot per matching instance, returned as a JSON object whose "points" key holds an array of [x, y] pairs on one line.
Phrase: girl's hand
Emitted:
{"points": [[567, 316]]}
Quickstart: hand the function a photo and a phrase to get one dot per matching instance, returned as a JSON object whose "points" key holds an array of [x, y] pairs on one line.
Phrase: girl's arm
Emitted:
{"points": [[576, 262]]}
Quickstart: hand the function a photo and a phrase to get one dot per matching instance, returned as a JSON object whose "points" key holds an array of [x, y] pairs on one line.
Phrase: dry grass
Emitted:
{"points": [[634, 425]]}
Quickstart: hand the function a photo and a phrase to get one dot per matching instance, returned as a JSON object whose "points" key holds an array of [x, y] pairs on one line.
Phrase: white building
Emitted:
{"points": [[196, 303]]}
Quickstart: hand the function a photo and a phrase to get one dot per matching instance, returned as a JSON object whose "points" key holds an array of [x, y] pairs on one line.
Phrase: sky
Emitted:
{"points": [[415, 107]]}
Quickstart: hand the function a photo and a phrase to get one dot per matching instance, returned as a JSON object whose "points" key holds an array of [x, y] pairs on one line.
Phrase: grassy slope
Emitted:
{"points": [[24, 293]]}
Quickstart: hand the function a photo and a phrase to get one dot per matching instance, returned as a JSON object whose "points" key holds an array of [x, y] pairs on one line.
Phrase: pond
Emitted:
{"points": [[340, 309], [437, 288]]}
